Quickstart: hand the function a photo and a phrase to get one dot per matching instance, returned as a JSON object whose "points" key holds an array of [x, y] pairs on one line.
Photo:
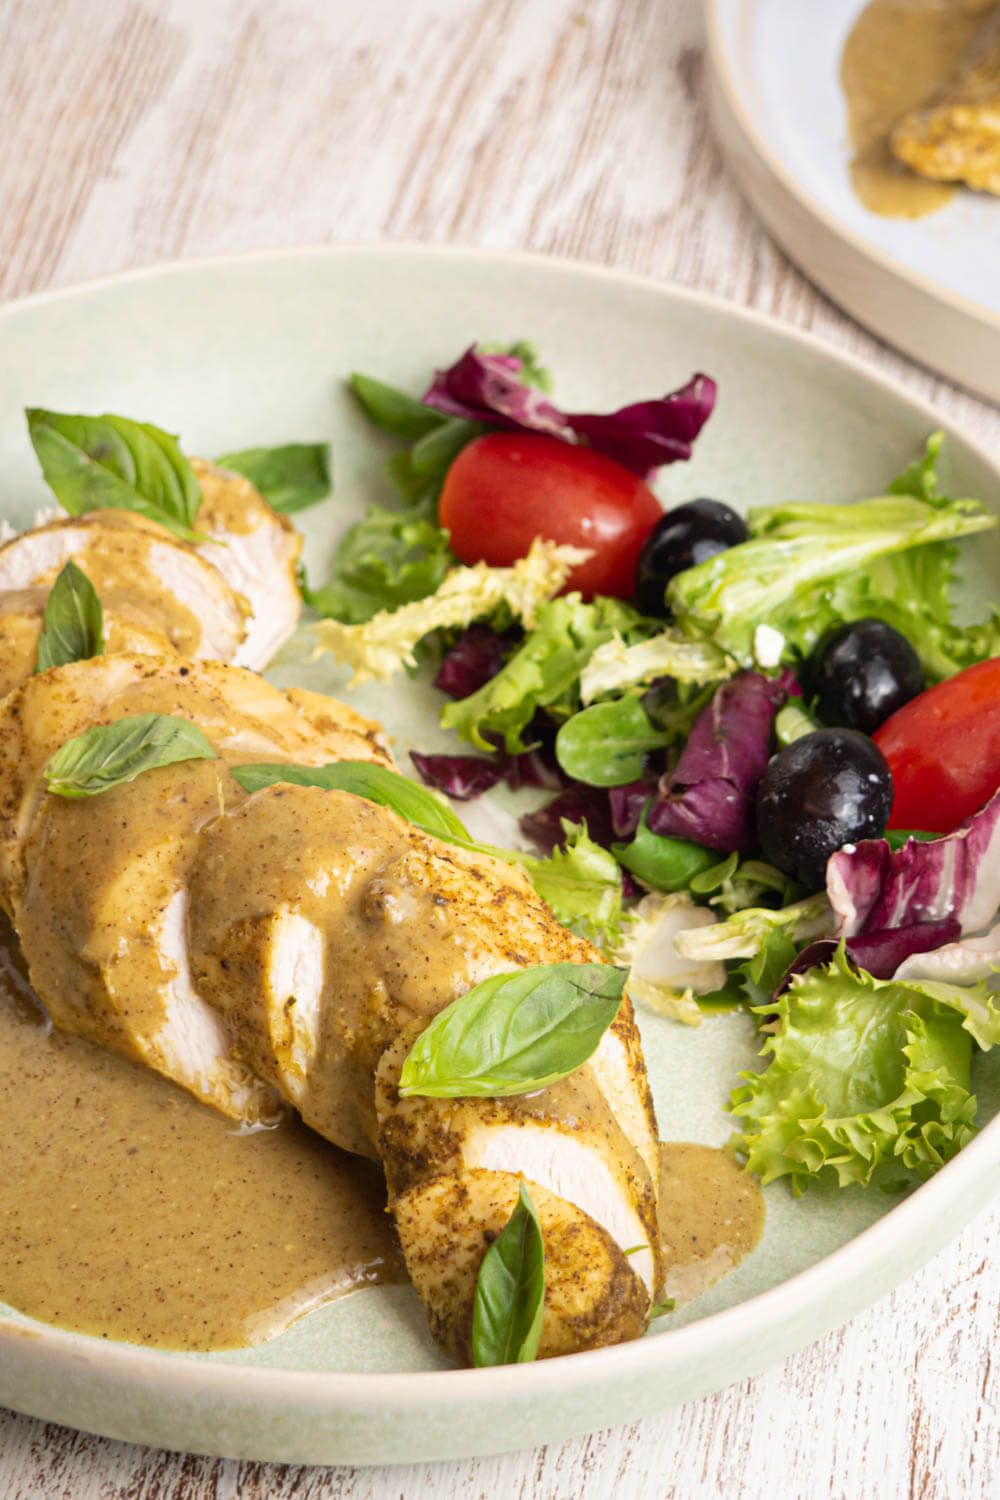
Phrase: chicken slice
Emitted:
{"points": [[956, 137], [592, 1295], [243, 716], [352, 931], [100, 891], [257, 550], [155, 588]]}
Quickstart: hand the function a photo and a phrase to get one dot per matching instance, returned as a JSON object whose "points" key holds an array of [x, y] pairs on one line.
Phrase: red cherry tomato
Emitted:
{"points": [[505, 489], [943, 748]]}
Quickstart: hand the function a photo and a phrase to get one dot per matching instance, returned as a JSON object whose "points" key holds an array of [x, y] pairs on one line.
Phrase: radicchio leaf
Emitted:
{"points": [[709, 795], [881, 954], [577, 804], [473, 660], [644, 436], [467, 776], [627, 803], [460, 776], [873, 888]]}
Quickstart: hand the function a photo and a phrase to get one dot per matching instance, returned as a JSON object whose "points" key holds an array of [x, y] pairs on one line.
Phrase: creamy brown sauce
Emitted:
{"points": [[130, 1211], [711, 1216], [898, 54]]}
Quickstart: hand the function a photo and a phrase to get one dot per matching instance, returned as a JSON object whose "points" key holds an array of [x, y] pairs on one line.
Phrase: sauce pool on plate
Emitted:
{"points": [[130, 1211]]}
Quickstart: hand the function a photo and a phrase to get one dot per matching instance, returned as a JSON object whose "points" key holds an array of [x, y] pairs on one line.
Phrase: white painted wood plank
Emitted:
{"points": [[142, 130]]}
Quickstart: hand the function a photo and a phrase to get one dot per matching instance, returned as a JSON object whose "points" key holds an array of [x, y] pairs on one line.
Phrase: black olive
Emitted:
{"points": [[861, 673], [686, 535], [823, 791]]}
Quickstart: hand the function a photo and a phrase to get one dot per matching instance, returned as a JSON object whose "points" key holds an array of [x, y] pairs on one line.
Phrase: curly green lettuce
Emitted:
{"points": [[863, 1074], [544, 672], [808, 567], [387, 642]]}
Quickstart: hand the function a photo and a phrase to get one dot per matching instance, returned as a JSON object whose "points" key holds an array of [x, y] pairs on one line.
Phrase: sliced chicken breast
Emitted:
{"points": [[592, 1294], [99, 894], [242, 715], [257, 550], [146, 578], [352, 930]]}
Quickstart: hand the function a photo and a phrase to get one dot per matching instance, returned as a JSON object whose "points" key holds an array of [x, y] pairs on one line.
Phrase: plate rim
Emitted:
{"points": [[866, 249], [358, 1391]]}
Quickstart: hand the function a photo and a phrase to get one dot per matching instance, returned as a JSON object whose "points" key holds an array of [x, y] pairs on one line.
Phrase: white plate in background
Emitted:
{"points": [[931, 286]]}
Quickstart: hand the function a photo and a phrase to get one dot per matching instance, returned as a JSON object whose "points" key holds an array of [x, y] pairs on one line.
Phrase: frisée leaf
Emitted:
{"points": [[861, 1074]]}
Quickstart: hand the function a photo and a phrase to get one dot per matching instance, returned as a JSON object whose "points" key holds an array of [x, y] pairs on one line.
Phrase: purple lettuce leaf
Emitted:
{"points": [[577, 804], [966, 961], [465, 777], [627, 803], [880, 953], [873, 888], [473, 660], [709, 795], [644, 436], [460, 776], [489, 388]]}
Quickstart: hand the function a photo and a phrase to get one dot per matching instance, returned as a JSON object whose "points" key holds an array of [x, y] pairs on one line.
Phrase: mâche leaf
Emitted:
{"points": [[607, 743], [515, 1032], [363, 778], [110, 754], [393, 410], [290, 477], [73, 621], [510, 1291], [93, 463]]}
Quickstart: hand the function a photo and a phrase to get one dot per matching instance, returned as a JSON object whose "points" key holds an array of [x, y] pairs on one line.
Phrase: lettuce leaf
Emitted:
{"points": [[862, 1073], [615, 666], [874, 888], [390, 558], [808, 566], [497, 388], [746, 933], [543, 672], [386, 642], [708, 796], [581, 883]]}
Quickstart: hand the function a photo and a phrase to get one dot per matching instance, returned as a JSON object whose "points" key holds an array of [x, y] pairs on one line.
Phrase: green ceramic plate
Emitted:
{"points": [[236, 352]]}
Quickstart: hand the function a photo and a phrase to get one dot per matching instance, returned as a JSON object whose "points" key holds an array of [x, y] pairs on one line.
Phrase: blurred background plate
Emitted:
{"points": [[931, 286]]}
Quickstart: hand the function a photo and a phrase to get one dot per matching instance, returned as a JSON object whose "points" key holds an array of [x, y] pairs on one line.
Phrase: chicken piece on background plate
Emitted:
{"points": [[955, 137]]}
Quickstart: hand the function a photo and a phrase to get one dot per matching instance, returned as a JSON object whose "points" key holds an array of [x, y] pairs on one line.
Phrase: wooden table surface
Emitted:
{"points": [[142, 130]]}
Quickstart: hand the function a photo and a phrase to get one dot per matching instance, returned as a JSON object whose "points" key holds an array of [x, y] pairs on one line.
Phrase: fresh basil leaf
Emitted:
{"points": [[606, 744], [291, 477], [93, 463], [363, 778], [510, 1291], [393, 410], [663, 863], [110, 754], [73, 621], [515, 1032]]}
